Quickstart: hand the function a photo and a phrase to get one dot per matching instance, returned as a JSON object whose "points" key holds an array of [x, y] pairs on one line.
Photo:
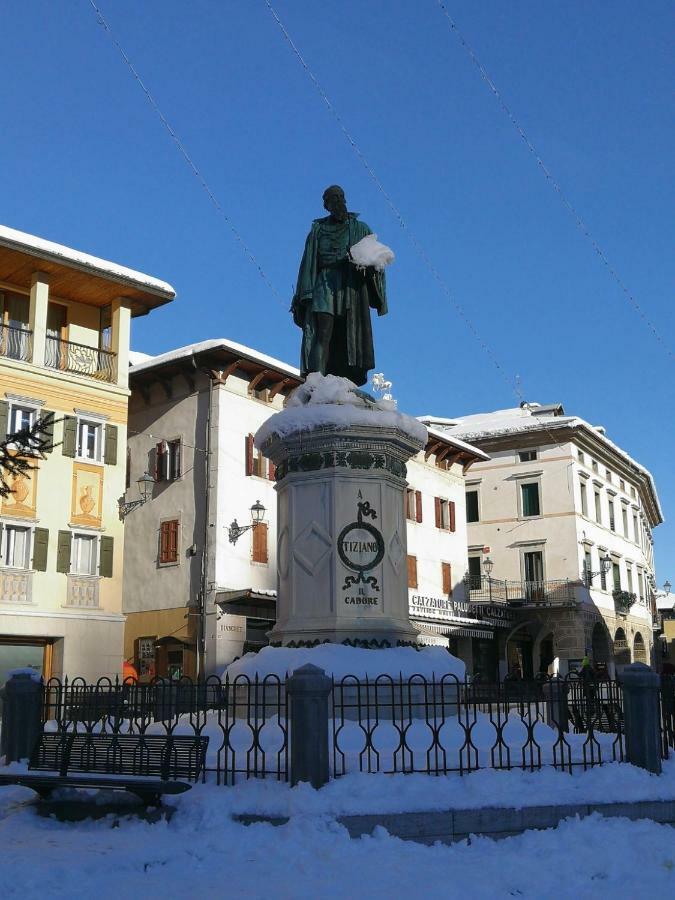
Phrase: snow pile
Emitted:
{"points": [[339, 661], [370, 252], [330, 401]]}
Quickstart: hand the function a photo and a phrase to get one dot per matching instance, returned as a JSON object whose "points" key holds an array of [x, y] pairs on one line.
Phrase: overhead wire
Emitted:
{"points": [[103, 22], [555, 184]]}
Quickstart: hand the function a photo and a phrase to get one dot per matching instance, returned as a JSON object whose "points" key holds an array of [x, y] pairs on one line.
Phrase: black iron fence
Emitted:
{"points": [[495, 590]]}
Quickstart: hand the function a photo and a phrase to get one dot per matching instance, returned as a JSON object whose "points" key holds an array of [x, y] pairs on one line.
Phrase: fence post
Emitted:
{"points": [[22, 698], [555, 694], [641, 712], [308, 689]]}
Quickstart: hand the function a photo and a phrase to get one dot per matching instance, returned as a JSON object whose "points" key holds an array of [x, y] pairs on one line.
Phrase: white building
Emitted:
{"points": [[193, 414], [565, 517]]}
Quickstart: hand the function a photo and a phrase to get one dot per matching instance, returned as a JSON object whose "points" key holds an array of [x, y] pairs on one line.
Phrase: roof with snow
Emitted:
{"points": [[74, 275], [231, 348], [665, 601], [532, 418]]}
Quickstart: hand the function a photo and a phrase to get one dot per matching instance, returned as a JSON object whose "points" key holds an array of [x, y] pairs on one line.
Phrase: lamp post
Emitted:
{"points": [[605, 566], [667, 586], [235, 530], [145, 484], [488, 565]]}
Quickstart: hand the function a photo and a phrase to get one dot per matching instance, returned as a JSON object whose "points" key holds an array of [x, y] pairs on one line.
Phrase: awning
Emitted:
{"points": [[249, 602], [429, 637], [463, 631]]}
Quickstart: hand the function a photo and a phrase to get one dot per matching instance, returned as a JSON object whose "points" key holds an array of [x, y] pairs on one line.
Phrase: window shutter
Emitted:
{"points": [[437, 509], [164, 542], [259, 553], [447, 577], [412, 571], [418, 506], [173, 541], [105, 566], [110, 454], [272, 471], [451, 510], [69, 436], [65, 540], [4, 418], [249, 454], [48, 430], [160, 457], [40, 548], [127, 474]]}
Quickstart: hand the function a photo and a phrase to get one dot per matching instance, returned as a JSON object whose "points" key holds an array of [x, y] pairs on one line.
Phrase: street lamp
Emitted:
{"points": [[235, 530], [667, 586], [145, 484], [605, 566], [489, 565]]}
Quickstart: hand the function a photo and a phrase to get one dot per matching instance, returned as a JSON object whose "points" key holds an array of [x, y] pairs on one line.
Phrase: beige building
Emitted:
{"points": [[188, 587], [64, 346], [560, 526]]}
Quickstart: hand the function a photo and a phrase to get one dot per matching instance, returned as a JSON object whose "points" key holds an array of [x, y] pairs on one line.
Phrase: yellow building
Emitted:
{"points": [[64, 348]]}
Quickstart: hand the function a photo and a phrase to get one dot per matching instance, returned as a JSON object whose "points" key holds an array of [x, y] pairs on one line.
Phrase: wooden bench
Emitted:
{"points": [[118, 762]]}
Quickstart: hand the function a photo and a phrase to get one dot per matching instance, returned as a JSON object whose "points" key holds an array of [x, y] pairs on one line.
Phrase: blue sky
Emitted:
{"points": [[85, 162]]}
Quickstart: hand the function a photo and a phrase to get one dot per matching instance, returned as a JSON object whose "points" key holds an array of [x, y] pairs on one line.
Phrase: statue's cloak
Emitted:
{"points": [[352, 353]]}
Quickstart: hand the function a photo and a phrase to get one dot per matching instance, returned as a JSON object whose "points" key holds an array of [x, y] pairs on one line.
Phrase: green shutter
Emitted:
{"points": [[69, 435], [105, 567], [48, 430], [63, 551], [40, 547], [110, 457], [4, 418]]}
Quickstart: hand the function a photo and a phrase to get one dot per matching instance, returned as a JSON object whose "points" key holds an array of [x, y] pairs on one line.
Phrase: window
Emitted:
{"points": [[581, 457], [105, 329], [445, 514], [259, 543], [145, 656], [413, 509], [608, 475], [612, 520], [446, 574], [624, 517], [632, 491], [168, 541], [89, 440], [636, 530], [168, 460], [629, 577], [588, 568], [598, 507], [616, 576], [83, 559], [21, 417], [527, 455], [15, 547], [472, 511], [641, 586], [584, 498], [603, 575], [622, 484], [475, 572], [256, 464], [594, 465], [530, 499], [412, 571], [14, 332]]}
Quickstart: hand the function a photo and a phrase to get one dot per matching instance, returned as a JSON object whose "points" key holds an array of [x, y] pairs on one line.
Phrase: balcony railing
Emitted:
{"points": [[494, 590], [82, 590], [80, 359], [15, 586], [16, 342]]}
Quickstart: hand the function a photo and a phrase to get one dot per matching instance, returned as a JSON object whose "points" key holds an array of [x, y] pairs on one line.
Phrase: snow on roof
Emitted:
{"points": [[450, 438], [665, 601], [136, 357], [214, 344], [21, 240]]}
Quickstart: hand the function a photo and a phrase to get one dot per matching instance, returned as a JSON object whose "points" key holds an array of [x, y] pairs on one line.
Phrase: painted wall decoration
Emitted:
{"points": [[21, 502], [87, 498]]}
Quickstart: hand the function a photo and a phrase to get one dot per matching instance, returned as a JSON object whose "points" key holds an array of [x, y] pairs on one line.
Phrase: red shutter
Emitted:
{"points": [[437, 509], [249, 454], [418, 505], [173, 541], [406, 503], [412, 571], [259, 548], [164, 542], [272, 471], [451, 509], [447, 578]]}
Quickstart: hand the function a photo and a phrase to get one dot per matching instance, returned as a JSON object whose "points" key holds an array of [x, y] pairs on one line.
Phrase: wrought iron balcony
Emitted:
{"points": [[80, 359], [16, 342], [481, 588]]}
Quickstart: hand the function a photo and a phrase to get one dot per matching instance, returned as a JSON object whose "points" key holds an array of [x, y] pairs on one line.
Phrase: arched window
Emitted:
{"points": [[621, 648], [639, 649]]}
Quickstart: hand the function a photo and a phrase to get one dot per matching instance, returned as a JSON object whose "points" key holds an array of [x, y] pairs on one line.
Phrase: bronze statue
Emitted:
{"points": [[333, 296]]}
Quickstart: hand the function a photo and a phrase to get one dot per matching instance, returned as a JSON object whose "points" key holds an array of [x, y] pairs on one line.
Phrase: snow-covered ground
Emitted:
{"points": [[202, 852]]}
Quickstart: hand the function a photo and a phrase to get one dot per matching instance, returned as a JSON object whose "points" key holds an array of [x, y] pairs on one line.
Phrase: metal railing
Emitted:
{"points": [[80, 359], [495, 590], [16, 343]]}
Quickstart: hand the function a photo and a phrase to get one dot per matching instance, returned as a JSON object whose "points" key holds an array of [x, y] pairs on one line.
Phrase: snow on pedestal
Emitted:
{"points": [[340, 459]]}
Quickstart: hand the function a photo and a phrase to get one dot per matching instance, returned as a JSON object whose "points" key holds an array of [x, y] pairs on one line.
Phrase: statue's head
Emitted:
{"points": [[334, 201]]}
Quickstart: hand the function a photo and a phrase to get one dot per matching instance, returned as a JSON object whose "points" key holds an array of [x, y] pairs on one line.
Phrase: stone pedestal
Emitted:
{"points": [[341, 479]]}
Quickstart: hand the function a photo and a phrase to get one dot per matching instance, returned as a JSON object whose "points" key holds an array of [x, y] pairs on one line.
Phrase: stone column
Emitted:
{"points": [[120, 339], [342, 545], [37, 315], [22, 699], [308, 690], [642, 712]]}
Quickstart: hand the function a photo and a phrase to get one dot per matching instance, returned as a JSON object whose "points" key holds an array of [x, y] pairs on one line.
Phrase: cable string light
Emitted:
{"points": [[102, 21], [581, 225]]}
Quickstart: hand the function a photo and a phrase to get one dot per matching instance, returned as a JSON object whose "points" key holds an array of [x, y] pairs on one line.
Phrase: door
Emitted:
{"points": [[56, 348], [533, 563]]}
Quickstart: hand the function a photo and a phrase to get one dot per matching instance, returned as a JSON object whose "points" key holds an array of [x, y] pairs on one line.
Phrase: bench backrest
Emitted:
{"points": [[166, 756]]}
